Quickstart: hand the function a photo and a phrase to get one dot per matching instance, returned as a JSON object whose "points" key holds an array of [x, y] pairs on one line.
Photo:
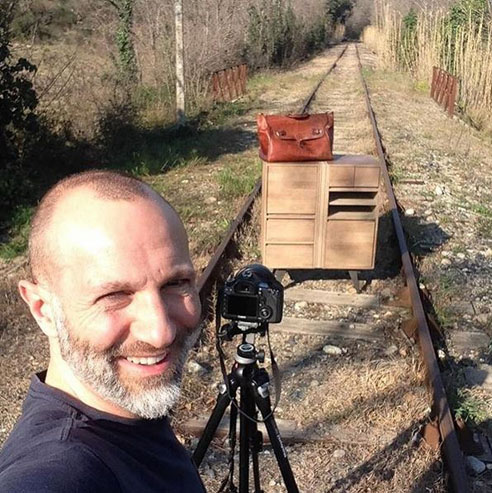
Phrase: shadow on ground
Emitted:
{"points": [[422, 238], [126, 147]]}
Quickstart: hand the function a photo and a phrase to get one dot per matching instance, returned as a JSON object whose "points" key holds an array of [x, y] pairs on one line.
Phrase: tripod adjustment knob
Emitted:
{"points": [[260, 356]]}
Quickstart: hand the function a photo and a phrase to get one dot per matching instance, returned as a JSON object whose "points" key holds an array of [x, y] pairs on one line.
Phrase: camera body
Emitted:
{"points": [[252, 295]]}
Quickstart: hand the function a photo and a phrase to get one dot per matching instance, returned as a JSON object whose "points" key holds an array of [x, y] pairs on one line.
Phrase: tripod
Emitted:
{"points": [[253, 383]]}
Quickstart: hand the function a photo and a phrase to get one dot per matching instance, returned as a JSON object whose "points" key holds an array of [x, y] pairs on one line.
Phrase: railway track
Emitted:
{"points": [[358, 392]]}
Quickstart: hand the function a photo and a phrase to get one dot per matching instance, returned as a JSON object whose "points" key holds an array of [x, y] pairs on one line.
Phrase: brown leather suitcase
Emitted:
{"points": [[286, 138]]}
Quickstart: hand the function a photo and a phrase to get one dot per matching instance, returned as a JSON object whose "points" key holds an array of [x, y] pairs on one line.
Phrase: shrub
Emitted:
{"points": [[276, 37], [18, 120]]}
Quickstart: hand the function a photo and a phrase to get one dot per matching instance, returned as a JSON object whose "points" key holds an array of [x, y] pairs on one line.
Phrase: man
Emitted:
{"points": [[113, 288]]}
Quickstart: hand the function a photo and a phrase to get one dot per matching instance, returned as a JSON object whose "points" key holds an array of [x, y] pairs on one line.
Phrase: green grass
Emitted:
{"points": [[445, 316], [468, 407], [421, 86], [234, 184], [458, 249], [260, 81], [481, 209], [222, 113], [484, 226], [396, 174], [18, 233]]}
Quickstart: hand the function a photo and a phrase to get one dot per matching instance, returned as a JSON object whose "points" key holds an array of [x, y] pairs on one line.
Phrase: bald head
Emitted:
{"points": [[74, 200]]}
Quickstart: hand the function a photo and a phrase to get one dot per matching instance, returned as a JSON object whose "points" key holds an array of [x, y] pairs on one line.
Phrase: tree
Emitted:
{"points": [[18, 102], [338, 10], [127, 60]]}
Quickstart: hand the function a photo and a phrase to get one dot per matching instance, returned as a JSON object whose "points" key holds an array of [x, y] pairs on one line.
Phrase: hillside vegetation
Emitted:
{"points": [[92, 82]]}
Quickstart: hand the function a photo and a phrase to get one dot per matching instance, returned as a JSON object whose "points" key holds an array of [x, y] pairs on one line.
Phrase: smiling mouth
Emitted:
{"points": [[146, 361]]}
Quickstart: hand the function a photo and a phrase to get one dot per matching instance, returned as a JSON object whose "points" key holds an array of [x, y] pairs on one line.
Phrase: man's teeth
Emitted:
{"points": [[146, 361]]}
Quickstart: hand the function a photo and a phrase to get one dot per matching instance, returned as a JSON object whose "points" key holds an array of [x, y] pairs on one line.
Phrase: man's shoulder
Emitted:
{"points": [[58, 467]]}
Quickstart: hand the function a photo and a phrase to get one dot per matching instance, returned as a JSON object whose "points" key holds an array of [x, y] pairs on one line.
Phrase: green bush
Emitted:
{"points": [[407, 48], [276, 37], [18, 120], [46, 19]]}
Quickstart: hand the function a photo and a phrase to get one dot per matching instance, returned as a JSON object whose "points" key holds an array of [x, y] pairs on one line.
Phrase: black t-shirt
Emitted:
{"points": [[61, 445]]}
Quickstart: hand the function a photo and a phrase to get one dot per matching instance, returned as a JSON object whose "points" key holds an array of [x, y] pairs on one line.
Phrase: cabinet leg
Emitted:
{"points": [[279, 274], [354, 277]]}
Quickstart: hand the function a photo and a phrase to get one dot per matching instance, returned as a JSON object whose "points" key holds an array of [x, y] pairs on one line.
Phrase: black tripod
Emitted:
{"points": [[253, 382]]}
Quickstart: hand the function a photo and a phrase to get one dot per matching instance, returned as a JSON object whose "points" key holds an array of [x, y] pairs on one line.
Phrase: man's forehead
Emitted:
{"points": [[85, 223], [83, 207]]}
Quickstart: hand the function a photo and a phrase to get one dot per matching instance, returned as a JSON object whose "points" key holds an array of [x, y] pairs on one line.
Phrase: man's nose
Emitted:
{"points": [[153, 322]]}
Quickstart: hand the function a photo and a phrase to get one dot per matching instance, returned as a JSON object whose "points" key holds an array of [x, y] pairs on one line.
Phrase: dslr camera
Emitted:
{"points": [[252, 295]]}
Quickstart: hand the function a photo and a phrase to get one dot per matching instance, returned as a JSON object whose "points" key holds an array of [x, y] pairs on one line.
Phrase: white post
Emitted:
{"points": [[180, 92]]}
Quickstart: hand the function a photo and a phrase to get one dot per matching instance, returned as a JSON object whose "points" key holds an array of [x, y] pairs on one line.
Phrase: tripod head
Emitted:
{"points": [[235, 327]]}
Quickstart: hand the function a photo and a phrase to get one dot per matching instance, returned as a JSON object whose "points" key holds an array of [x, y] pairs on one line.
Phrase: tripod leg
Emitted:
{"points": [[247, 407], [223, 400], [256, 447], [262, 399]]}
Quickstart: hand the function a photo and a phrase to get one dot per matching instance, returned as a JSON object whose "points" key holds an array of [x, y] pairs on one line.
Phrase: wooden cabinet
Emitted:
{"points": [[321, 214]]}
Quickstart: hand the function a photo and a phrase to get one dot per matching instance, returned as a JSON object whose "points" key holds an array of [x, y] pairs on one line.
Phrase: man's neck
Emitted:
{"points": [[65, 380]]}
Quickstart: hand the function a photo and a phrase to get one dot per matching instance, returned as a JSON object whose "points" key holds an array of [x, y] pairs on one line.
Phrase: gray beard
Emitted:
{"points": [[150, 399]]}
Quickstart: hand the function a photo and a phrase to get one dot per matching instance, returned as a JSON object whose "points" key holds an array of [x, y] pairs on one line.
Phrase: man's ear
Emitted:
{"points": [[38, 300]]}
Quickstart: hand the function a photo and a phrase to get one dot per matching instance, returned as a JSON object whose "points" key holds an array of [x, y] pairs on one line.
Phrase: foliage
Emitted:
{"points": [[338, 10], [277, 37], [468, 407], [44, 19], [464, 11], [127, 60], [408, 39], [18, 232], [18, 121]]}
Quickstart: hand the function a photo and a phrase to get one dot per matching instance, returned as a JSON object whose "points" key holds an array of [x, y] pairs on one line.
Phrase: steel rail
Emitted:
{"points": [[207, 277], [310, 98], [451, 449]]}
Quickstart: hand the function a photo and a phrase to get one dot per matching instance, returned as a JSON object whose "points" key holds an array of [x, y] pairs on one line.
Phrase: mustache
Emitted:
{"points": [[185, 338]]}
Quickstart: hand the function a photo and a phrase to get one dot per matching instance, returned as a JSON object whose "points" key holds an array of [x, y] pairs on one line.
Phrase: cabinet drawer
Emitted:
{"points": [[354, 176], [289, 256], [289, 230], [341, 176], [366, 177], [349, 245], [292, 189]]}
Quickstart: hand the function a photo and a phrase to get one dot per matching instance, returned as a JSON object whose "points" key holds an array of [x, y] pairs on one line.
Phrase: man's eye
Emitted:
{"points": [[114, 297], [177, 284]]}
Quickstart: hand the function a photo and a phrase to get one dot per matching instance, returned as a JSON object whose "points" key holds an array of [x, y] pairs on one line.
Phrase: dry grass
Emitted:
{"points": [[464, 50]]}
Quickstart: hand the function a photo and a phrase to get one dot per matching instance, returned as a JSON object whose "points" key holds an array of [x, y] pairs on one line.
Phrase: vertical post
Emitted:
{"points": [[434, 77], [442, 91], [445, 93], [438, 83], [215, 87], [180, 90], [243, 78], [452, 97]]}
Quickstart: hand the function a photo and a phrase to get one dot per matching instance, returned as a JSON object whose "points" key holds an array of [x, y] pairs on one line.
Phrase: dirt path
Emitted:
{"points": [[358, 403]]}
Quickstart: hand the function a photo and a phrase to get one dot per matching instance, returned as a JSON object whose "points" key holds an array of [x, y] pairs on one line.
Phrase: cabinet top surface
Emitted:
{"points": [[338, 159]]}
